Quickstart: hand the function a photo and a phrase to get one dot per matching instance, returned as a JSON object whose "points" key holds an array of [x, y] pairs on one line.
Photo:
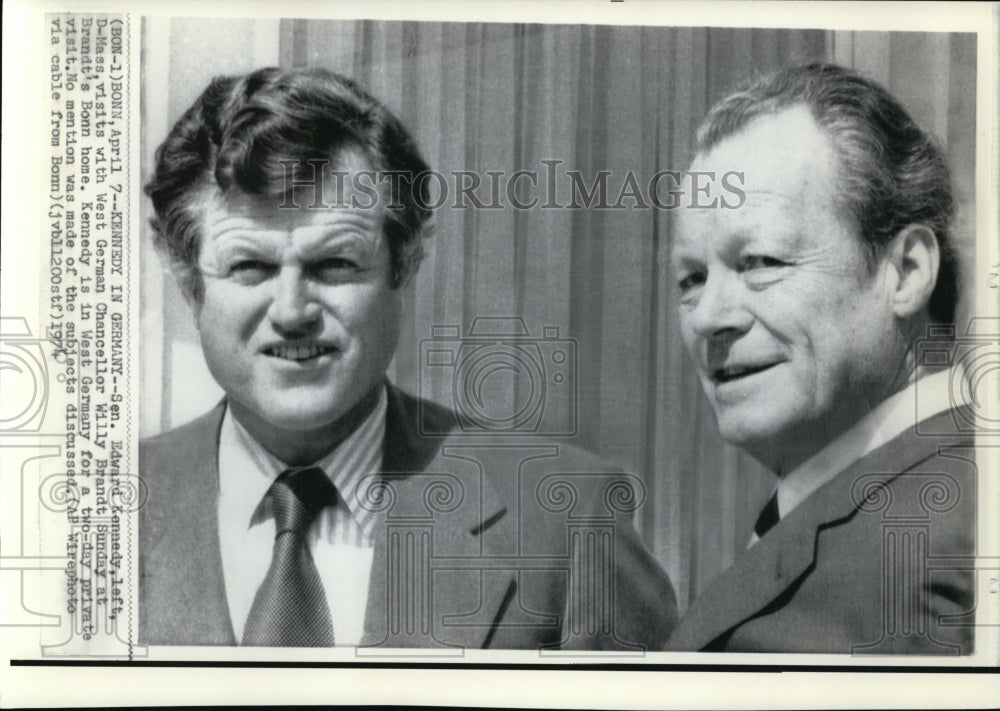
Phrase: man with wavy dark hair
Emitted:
{"points": [[311, 507], [802, 311]]}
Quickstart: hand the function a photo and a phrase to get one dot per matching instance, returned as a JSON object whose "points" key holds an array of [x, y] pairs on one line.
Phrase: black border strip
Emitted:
{"points": [[480, 666]]}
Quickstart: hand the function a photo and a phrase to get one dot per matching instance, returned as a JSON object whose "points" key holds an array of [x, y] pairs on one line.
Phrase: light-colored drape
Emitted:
{"points": [[484, 97]]}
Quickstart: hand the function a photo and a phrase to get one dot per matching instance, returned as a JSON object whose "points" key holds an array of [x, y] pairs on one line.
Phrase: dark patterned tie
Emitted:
{"points": [[290, 607], [768, 517]]}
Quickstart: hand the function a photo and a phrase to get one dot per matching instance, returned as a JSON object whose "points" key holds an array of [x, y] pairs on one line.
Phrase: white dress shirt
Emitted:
{"points": [[889, 419], [340, 539]]}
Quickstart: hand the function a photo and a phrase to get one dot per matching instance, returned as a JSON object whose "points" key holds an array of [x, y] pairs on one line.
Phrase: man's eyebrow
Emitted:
{"points": [[686, 257]]}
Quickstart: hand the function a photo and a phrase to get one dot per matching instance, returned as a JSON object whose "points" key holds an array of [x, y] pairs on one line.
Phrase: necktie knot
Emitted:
{"points": [[297, 496]]}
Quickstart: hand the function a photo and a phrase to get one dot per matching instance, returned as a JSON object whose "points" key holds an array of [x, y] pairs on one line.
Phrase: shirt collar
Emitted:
{"points": [[921, 400], [247, 470]]}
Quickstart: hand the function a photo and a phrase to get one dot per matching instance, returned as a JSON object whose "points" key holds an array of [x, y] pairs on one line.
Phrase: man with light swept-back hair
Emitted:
{"points": [[318, 504], [803, 311]]}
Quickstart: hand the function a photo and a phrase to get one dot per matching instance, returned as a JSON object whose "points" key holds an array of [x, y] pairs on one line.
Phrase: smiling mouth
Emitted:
{"points": [[736, 372], [298, 353]]}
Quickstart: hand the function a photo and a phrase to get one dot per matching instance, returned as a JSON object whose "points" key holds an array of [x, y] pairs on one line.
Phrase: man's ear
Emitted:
{"points": [[915, 257]]}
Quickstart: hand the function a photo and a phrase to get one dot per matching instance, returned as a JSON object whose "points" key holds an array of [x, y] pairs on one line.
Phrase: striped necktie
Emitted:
{"points": [[290, 607]]}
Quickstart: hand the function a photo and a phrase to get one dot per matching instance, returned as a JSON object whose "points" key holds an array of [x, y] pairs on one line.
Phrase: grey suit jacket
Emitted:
{"points": [[877, 561], [517, 545]]}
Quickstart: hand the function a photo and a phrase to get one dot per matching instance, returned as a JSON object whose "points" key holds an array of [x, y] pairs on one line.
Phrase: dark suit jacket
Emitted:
{"points": [[877, 561], [480, 545]]}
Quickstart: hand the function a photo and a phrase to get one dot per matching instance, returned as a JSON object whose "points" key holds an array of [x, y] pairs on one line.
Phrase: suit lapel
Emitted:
{"points": [[189, 578], [774, 564], [440, 506], [214, 599]]}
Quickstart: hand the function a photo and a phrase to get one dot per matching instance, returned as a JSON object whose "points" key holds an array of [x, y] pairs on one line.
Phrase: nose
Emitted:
{"points": [[293, 310], [720, 312]]}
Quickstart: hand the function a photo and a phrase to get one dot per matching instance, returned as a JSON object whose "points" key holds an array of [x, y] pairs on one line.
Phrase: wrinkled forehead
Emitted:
{"points": [[777, 166], [785, 153], [336, 190]]}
